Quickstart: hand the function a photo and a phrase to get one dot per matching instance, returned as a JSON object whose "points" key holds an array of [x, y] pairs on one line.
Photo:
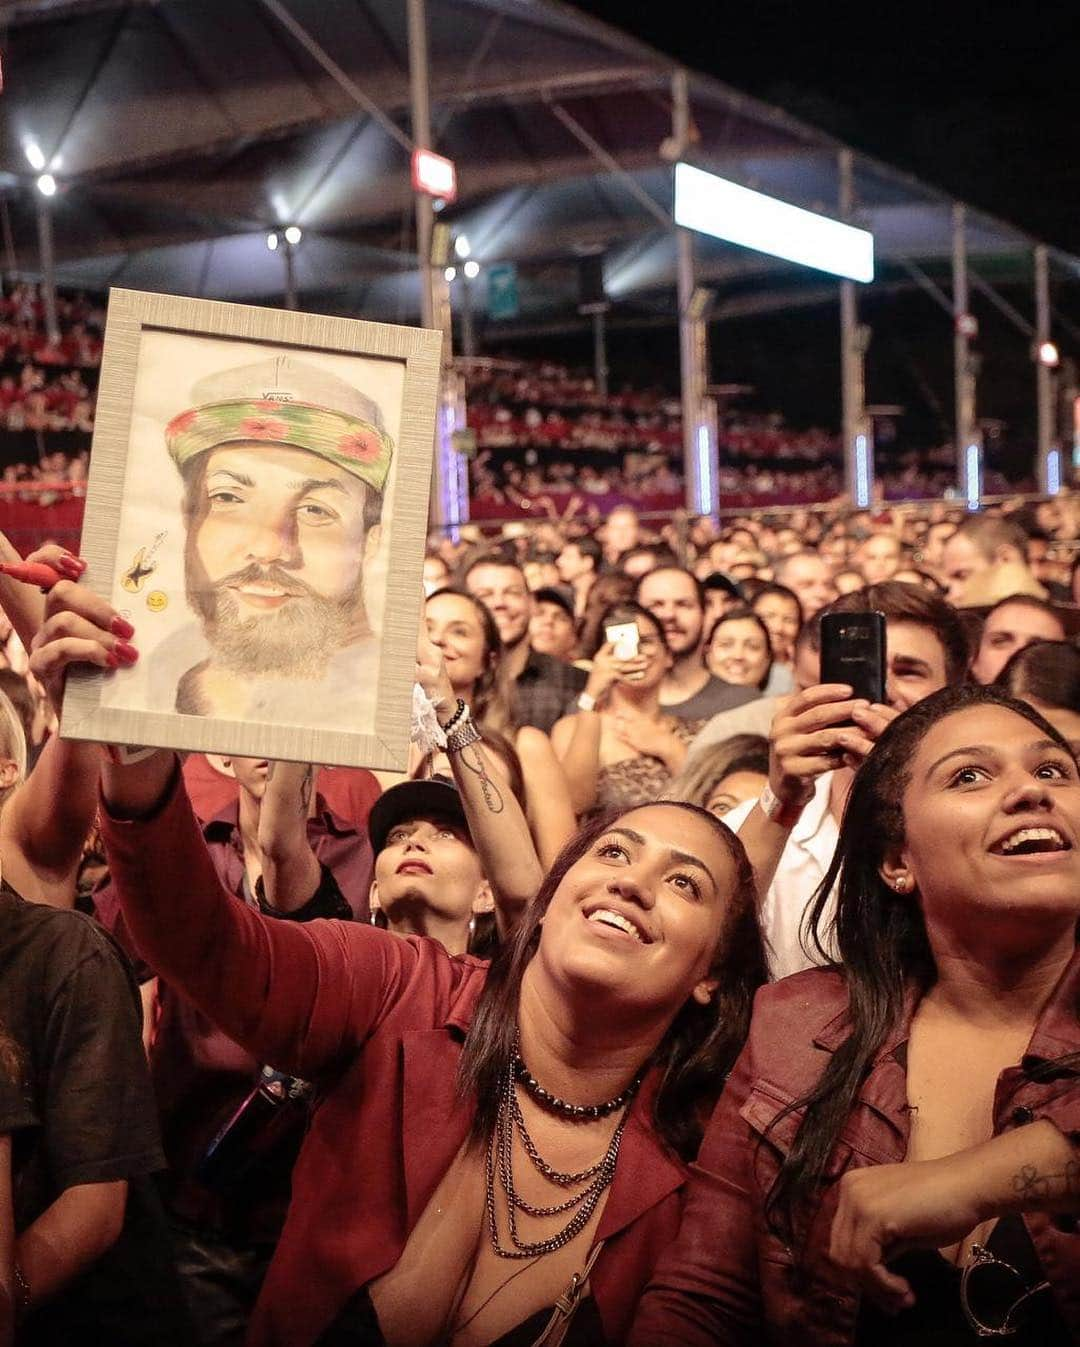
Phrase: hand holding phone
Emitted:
{"points": [[853, 652], [624, 640]]}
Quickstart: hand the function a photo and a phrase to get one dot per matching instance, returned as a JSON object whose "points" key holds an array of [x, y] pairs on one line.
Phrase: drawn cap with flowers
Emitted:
{"points": [[285, 401]]}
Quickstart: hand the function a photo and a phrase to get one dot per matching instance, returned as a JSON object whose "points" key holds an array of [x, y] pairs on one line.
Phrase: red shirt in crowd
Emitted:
{"points": [[379, 1020], [200, 1075]]}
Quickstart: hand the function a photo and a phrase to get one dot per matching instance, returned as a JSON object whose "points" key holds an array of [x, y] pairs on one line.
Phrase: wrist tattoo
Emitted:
{"points": [[1028, 1183], [473, 759]]}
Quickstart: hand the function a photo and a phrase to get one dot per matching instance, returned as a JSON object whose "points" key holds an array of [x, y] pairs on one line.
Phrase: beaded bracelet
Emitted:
{"points": [[460, 711], [463, 735]]}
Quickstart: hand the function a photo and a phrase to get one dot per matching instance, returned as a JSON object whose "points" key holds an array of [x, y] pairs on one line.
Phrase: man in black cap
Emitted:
{"points": [[552, 630], [428, 876]]}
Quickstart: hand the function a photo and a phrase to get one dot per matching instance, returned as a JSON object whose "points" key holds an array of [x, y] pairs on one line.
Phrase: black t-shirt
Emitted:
{"points": [[16, 1111], [71, 1008]]}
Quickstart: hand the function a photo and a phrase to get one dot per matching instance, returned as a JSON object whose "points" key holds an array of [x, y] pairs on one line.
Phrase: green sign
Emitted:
{"points": [[502, 294]]}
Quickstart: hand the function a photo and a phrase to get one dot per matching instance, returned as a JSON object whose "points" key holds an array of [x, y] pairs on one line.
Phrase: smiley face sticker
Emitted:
{"points": [[157, 601]]}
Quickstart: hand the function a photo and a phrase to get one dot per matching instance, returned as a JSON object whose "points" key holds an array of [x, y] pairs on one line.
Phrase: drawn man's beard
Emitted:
{"points": [[294, 641]]}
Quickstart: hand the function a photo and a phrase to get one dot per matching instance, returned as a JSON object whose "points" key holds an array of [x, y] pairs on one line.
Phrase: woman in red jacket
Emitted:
{"points": [[491, 1139], [896, 1158]]}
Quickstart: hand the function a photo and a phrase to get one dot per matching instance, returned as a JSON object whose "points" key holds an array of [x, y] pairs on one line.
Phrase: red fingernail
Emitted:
{"points": [[121, 627], [126, 654], [72, 567], [112, 661]]}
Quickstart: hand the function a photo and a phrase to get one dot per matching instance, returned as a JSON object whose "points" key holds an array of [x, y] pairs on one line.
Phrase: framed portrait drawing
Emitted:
{"points": [[257, 508]]}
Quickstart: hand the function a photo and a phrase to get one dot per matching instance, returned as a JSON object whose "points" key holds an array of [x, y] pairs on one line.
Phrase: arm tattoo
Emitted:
{"points": [[307, 783], [473, 760], [1028, 1183]]}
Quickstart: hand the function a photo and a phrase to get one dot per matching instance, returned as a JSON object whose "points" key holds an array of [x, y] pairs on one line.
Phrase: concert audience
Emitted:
{"points": [[621, 932], [641, 945]]}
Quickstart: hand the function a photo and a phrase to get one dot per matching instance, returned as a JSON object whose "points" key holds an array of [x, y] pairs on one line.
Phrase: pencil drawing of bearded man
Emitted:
{"points": [[284, 467]]}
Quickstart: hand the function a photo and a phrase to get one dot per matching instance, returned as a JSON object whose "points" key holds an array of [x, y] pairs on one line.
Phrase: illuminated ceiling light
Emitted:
{"points": [[1048, 354], [272, 242], [46, 185], [472, 270], [450, 273], [34, 156], [736, 214], [293, 235], [462, 246]]}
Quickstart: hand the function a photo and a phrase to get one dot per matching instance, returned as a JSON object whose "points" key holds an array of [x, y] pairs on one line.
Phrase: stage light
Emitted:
{"points": [[472, 270], [735, 214], [293, 235], [34, 156], [862, 472], [272, 242], [462, 246], [1048, 355], [450, 273], [46, 185], [434, 174]]}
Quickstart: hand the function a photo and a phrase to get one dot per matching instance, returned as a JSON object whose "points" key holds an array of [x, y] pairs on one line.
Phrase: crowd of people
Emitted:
{"points": [[681, 992]]}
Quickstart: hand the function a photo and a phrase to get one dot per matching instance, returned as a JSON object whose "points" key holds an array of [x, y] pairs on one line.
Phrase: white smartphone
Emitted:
{"points": [[623, 636]]}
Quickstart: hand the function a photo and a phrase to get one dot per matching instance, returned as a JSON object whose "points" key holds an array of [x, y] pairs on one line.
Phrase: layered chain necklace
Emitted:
{"points": [[592, 1182]]}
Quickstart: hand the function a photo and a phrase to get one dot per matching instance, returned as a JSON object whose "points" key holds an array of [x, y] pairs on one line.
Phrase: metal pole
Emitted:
{"points": [[290, 274], [444, 467], [858, 445], [688, 354], [1048, 472], [600, 365], [48, 269], [421, 133], [966, 429], [468, 332]]}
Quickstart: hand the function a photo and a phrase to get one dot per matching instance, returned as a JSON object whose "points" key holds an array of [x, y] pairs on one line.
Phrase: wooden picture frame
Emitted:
{"points": [[301, 605]]}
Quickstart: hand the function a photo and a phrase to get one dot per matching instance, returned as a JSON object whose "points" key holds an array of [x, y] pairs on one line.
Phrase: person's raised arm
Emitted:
{"points": [[46, 820], [547, 794], [218, 952], [497, 824], [576, 738], [808, 737], [291, 873]]}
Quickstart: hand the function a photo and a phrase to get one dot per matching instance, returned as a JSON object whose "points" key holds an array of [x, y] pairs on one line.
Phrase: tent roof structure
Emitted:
{"points": [[181, 131]]}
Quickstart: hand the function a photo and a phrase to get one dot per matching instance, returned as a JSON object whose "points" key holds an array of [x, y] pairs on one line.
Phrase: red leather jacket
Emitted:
{"points": [[379, 1022], [728, 1278]]}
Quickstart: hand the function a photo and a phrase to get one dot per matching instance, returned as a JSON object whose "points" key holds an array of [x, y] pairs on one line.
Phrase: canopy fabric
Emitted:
{"points": [[181, 131]]}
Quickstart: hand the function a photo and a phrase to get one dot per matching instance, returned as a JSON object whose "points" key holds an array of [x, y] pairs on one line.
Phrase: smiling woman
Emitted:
{"points": [[498, 1147], [872, 1150]]}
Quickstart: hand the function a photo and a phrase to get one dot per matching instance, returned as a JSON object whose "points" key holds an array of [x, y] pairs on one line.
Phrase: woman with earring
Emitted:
{"points": [[462, 628], [499, 1150], [896, 1158], [620, 748]]}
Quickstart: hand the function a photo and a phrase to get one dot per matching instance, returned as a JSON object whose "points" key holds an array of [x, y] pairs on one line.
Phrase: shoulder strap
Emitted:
{"points": [[567, 1304]]}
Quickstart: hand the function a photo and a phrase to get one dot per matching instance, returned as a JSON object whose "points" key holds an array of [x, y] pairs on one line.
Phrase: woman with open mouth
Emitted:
{"points": [[896, 1158], [500, 1151]]}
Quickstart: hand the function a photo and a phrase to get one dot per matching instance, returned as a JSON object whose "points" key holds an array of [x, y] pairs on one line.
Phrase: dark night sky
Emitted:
{"points": [[980, 100]]}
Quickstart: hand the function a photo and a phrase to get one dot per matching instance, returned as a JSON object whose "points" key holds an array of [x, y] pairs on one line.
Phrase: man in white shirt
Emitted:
{"points": [[817, 741]]}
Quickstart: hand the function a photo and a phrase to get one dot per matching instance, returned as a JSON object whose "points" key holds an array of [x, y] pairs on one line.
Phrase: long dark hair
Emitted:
{"points": [[702, 1041], [881, 940], [492, 702]]}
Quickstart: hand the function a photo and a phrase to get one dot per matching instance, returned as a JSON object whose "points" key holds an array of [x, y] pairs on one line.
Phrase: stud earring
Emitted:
{"points": [[902, 884]]}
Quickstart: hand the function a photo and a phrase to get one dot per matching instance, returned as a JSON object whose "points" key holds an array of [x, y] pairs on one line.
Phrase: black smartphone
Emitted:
{"points": [[853, 652]]}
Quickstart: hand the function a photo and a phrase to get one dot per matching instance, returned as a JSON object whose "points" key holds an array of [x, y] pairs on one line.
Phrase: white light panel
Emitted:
{"points": [[727, 211]]}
